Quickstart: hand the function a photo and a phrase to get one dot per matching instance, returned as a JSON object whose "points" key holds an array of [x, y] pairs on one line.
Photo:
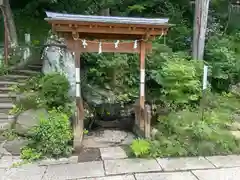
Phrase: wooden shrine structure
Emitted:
{"points": [[107, 34]]}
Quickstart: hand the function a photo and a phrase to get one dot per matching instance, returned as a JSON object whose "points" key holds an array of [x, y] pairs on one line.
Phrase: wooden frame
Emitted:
{"points": [[75, 30]]}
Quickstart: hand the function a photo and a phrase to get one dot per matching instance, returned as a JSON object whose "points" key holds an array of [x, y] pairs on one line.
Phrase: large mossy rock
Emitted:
{"points": [[107, 111], [29, 119], [235, 89], [59, 59], [14, 146]]}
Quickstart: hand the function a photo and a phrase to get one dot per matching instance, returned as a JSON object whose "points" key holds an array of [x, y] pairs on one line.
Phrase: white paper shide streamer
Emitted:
{"points": [[84, 43], [116, 44], [135, 44]]}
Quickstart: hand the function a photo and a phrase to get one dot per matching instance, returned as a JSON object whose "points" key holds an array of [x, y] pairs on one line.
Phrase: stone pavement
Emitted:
{"points": [[116, 166]]}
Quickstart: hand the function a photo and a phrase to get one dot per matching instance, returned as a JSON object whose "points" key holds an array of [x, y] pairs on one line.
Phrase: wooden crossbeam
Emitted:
{"points": [[93, 46], [110, 29]]}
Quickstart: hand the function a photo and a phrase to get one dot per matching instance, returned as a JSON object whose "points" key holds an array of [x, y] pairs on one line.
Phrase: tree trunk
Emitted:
{"points": [[11, 28], [200, 26]]}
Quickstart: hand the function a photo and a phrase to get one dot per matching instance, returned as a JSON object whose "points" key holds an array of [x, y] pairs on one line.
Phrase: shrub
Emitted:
{"points": [[3, 68], [180, 80], [185, 134], [140, 147], [51, 138], [54, 90], [32, 85], [222, 54], [30, 154]]}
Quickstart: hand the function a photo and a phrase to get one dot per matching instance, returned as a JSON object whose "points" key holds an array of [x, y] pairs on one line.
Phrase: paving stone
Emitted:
{"points": [[225, 161], [89, 154], [8, 161], [3, 152], [26, 172], [2, 172], [123, 177], [106, 138], [166, 176], [123, 166], [70, 160], [74, 171], [218, 174], [14, 146], [112, 153], [172, 164]]}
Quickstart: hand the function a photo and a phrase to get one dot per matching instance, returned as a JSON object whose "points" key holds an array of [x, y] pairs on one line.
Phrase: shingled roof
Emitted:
{"points": [[107, 19]]}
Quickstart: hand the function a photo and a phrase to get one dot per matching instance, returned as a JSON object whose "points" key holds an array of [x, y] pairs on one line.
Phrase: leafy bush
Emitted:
{"points": [[186, 134], [3, 68], [30, 154], [55, 89], [32, 84], [223, 55], [180, 80], [51, 138], [140, 147]]}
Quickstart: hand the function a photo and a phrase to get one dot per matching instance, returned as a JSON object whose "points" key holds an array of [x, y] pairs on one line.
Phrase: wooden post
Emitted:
{"points": [[78, 122], [6, 35], [142, 85], [147, 125], [200, 26], [5, 44]]}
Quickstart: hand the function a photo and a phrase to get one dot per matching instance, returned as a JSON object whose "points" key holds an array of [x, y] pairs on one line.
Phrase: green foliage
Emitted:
{"points": [[30, 154], [3, 68], [51, 138], [16, 109], [54, 90], [180, 80], [108, 70], [222, 53], [49, 91], [32, 84], [10, 134], [172, 79], [140, 147], [186, 134]]}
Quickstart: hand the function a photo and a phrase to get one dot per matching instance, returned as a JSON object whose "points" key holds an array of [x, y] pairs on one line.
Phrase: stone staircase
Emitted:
{"points": [[7, 98]]}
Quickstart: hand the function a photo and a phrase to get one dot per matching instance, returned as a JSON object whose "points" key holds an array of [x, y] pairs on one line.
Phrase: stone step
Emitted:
{"points": [[8, 83], [14, 77], [35, 67], [26, 72], [5, 89], [5, 97], [5, 117], [6, 107]]}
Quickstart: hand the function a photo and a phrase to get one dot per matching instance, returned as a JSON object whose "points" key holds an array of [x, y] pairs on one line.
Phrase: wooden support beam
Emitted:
{"points": [[107, 30], [78, 122], [124, 47], [142, 84]]}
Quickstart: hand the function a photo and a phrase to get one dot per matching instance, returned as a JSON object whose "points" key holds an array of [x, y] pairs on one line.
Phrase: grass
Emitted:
{"points": [[185, 133]]}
